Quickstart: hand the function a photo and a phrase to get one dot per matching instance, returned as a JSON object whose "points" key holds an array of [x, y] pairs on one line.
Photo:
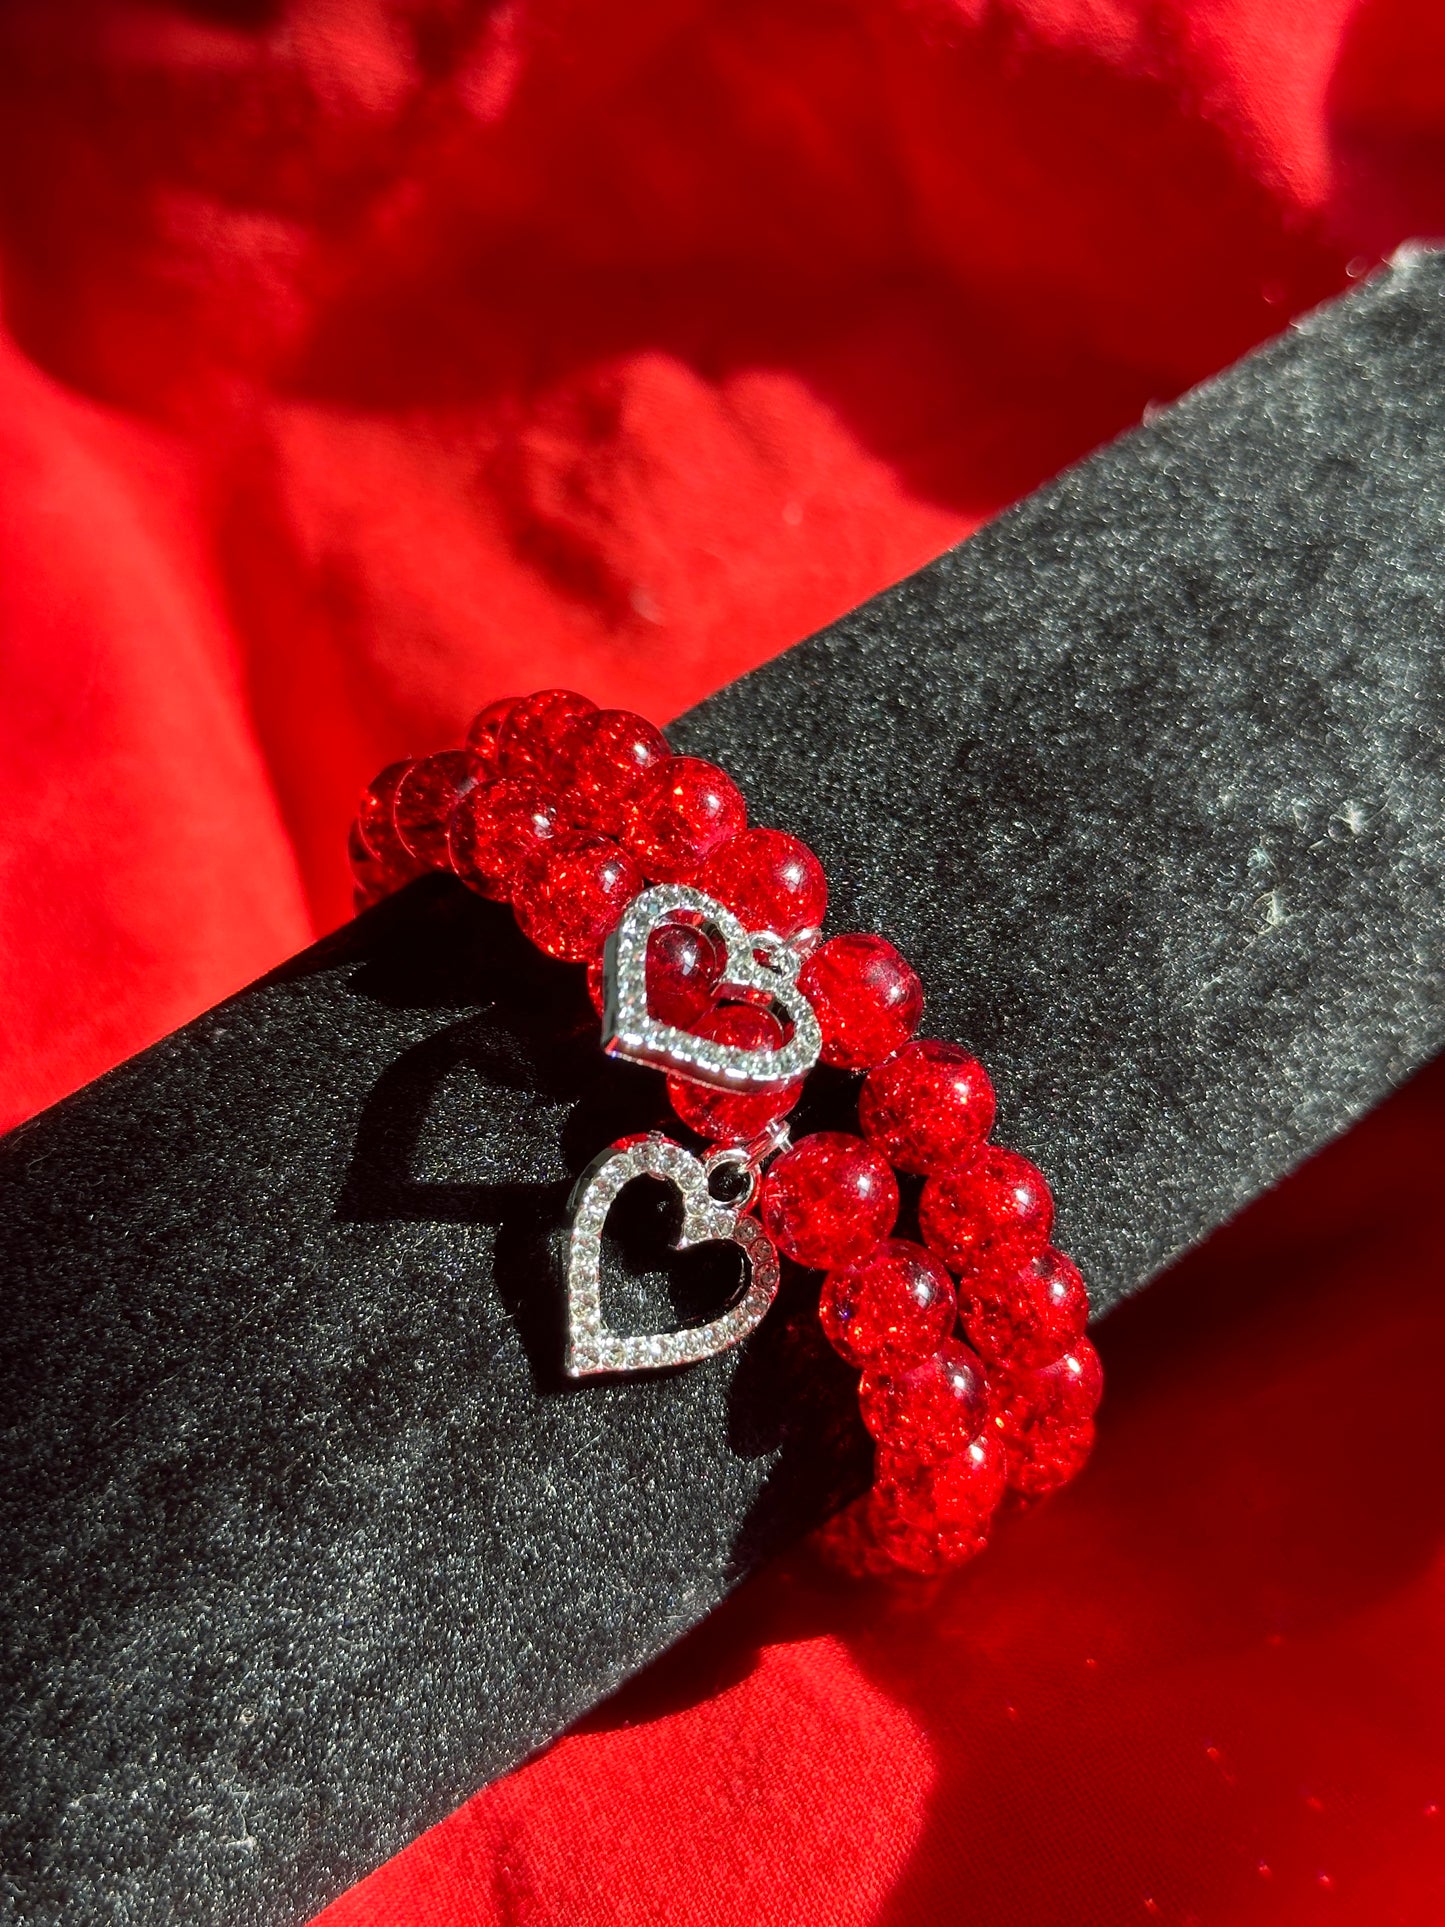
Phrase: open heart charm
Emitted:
{"points": [[592, 1345], [759, 967]]}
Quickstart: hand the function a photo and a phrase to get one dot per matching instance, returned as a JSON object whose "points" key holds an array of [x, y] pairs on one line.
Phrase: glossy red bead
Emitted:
{"points": [[990, 1218], [375, 823], [570, 902], [684, 810], [928, 1108], [734, 1117], [482, 736], [1029, 1316], [539, 735], [769, 880], [375, 874], [867, 998], [371, 878], [499, 829], [1048, 1456], [684, 968], [889, 1309], [614, 751], [828, 1200], [1045, 1419], [1069, 1388], [928, 1518], [428, 792], [930, 1410], [380, 861]]}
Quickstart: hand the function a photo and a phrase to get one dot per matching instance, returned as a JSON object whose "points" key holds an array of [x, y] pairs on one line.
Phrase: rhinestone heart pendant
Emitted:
{"points": [[759, 968], [592, 1345]]}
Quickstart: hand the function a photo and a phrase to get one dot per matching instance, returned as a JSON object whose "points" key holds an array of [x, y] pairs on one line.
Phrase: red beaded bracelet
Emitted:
{"points": [[702, 939]]}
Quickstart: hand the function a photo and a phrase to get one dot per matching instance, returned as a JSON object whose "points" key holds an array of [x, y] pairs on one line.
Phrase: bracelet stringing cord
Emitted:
{"points": [[702, 940]]}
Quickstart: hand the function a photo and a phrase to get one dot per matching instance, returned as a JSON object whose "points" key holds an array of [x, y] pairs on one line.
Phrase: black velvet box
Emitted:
{"points": [[307, 1537]]}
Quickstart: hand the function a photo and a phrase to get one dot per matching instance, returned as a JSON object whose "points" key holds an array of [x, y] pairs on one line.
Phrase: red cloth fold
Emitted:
{"points": [[363, 360]]}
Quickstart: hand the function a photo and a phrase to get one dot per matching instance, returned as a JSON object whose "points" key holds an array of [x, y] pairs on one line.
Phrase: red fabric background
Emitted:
{"points": [[365, 359]]}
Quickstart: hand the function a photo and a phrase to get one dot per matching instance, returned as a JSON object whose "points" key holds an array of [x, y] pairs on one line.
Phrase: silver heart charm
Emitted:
{"points": [[592, 1345], [630, 1030]]}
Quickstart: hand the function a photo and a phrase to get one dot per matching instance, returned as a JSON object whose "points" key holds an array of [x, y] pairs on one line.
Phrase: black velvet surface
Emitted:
{"points": [[305, 1536]]}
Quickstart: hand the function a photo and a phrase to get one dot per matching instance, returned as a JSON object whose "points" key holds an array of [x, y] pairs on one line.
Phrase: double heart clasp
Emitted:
{"points": [[715, 1191], [759, 968]]}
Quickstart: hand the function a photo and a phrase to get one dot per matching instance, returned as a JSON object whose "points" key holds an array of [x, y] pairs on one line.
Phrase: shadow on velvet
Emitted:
{"points": [[529, 1030]]}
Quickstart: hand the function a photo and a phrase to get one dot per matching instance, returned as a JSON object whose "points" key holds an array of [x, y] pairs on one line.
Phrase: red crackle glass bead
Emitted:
{"points": [[846, 1542], [371, 878], [482, 734], [769, 880], [539, 735], [374, 821], [927, 1109], [380, 861], [427, 794], [965, 1489], [684, 969], [867, 998], [928, 1518], [907, 1546], [571, 901], [499, 829], [1048, 1456], [931, 1410], [1069, 1389], [990, 1217], [614, 751], [734, 1117], [1045, 1419], [683, 811], [1029, 1316], [890, 1308], [828, 1200], [379, 875]]}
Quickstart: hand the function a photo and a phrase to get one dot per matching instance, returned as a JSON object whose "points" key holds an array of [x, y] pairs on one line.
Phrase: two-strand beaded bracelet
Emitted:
{"points": [[702, 939]]}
